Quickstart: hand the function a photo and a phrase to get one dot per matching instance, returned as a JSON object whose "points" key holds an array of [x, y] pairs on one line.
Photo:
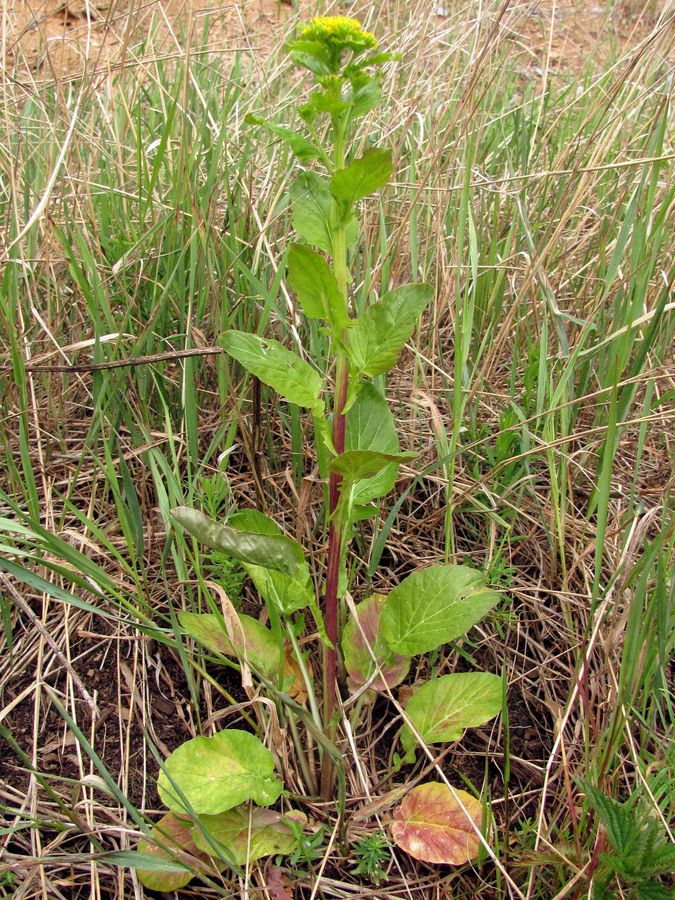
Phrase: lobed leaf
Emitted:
{"points": [[274, 552], [209, 775], [434, 606], [443, 708], [379, 335], [277, 367], [431, 825]]}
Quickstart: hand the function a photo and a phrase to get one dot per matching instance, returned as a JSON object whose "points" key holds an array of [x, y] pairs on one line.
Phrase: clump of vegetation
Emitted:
{"points": [[231, 774]]}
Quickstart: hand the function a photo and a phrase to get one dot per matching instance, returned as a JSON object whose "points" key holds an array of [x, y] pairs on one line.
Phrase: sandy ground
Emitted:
{"points": [[45, 39]]}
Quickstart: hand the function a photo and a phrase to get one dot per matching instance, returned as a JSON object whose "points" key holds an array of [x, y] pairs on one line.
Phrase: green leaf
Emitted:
{"points": [[443, 708], [274, 365], [311, 203], [249, 834], [355, 465], [358, 658], [301, 147], [366, 94], [287, 593], [214, 774], [254, 640], [316, 288], [274, 552], [170, 839], [370, 426], [434, 606], [365, 175], [314, 213], [378, 336]]}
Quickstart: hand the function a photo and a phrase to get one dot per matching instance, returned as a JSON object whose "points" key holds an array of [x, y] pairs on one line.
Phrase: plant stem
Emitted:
{"points": [[334, 529]]}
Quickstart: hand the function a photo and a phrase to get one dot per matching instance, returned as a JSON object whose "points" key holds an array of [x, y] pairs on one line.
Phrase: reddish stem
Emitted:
{"points": [[333, 572]]}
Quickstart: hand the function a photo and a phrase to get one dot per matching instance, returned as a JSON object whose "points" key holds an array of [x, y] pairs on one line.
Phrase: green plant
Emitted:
{"points": [[372, 852], [210, 780], [636, 851]]}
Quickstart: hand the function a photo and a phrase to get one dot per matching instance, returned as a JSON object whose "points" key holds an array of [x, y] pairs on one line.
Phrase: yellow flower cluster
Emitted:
{"points": [[340, 31]]}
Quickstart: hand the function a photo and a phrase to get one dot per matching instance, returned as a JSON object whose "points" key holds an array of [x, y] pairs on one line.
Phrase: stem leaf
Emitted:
{"points": [[316, 287], [279, 368], [365, 175], [355, 465], [275, 552], [378, 336]]}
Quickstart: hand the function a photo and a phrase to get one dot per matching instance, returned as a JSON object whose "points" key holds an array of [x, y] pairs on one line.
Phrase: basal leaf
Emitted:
{"points": [[355, 465], [370, 426], [378, 336], [173, 846], [431, 825], [359, 660], [288, 593], [316, 288], [443, 708], [249, 834], [274, 552], [274, 365], [362, 177], [434, 606], [254, 640], [216, 773]]}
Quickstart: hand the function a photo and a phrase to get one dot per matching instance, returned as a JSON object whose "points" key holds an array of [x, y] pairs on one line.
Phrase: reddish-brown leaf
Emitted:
{"points": [[431, 825], [358, 658], [174, 844]]}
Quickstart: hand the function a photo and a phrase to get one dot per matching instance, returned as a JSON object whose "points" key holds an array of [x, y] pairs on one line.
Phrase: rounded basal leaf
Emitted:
{"points": [[359, 661], [434, 606], [170, 842], [253, 639], [431, 825], [248, 834], [214, 774], [443, 708]]}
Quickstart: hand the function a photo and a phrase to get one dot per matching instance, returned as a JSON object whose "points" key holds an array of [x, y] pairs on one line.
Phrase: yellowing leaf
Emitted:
{"points": [[358, 659], [173, 843], [443, 708], [209, 775], [431, 825], [252, 639], [249, 834]]}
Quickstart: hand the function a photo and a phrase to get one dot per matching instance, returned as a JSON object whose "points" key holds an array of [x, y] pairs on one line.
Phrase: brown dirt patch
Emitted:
{"points": [[57, 38]]}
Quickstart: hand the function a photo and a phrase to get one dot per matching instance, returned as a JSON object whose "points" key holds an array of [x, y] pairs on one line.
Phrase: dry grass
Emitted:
{"points": [[534, 188]]}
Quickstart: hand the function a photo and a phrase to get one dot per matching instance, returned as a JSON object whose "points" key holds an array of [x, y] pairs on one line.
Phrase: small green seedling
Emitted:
{"points": [[225, 782]]}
